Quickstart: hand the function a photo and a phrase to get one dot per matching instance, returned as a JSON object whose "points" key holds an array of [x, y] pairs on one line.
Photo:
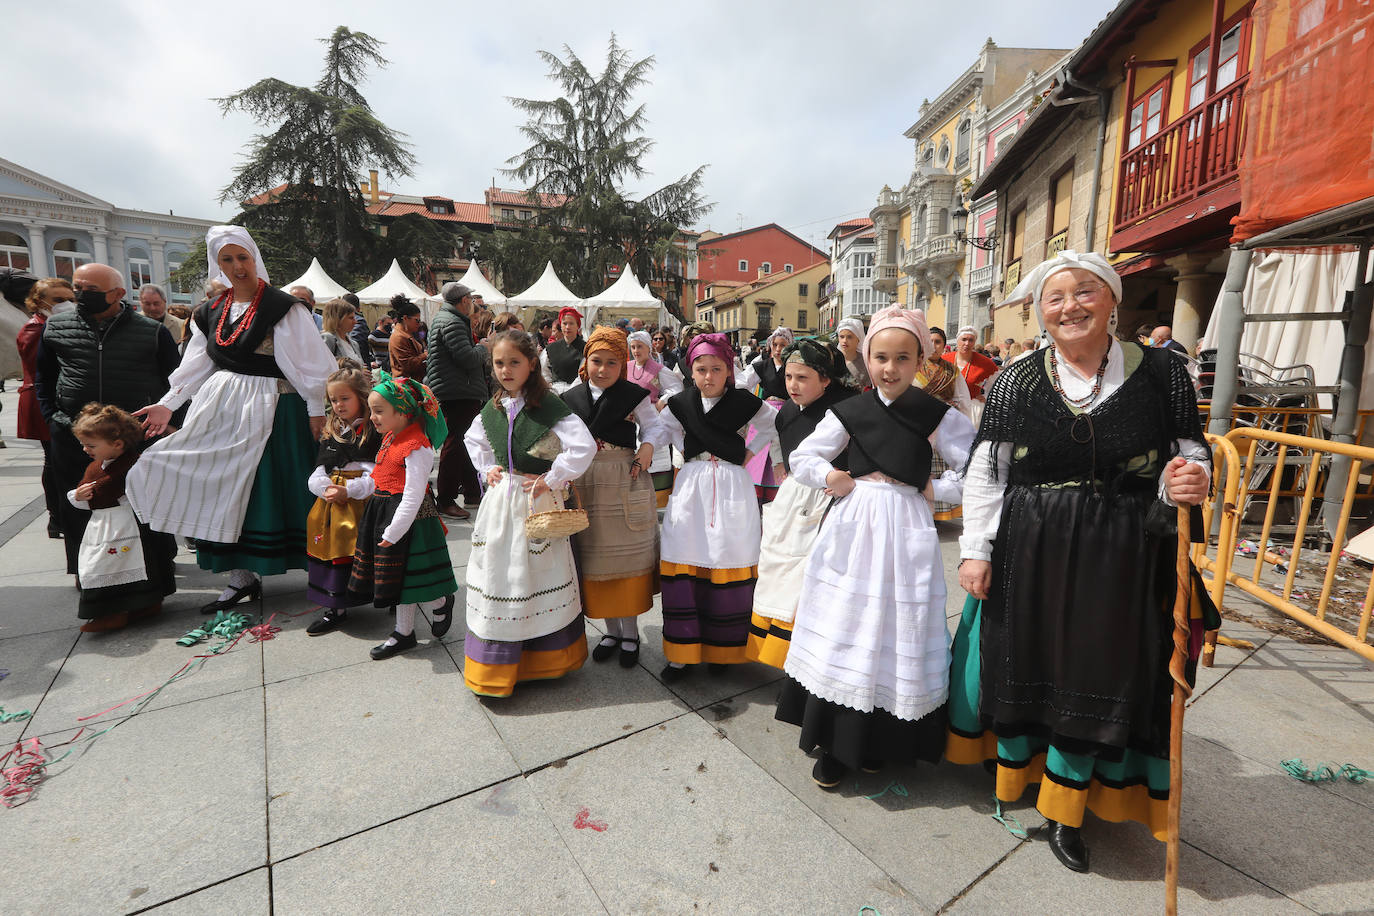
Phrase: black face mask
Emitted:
{"points": [[91, 302]]}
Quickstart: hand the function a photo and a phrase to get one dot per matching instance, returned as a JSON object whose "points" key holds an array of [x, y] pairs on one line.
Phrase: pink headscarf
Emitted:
{"points": [[712, 345], [894, 316]]}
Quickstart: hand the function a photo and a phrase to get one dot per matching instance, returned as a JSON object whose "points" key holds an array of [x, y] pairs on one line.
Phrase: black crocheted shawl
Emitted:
{"points": [[1121, 445]]}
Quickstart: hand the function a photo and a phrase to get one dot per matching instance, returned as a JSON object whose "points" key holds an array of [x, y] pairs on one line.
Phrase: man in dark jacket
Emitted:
{"points": [[453, 372], [102, 353]]}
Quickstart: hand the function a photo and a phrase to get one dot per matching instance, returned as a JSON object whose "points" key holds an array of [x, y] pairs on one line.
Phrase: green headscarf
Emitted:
{"points": [[823, 357], [414, 399]]}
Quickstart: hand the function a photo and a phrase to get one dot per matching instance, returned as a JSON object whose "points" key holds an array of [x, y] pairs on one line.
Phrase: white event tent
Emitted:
{"points": [[318, 282], [548, 293], [481, 286], [626, 298], [395, 282]]}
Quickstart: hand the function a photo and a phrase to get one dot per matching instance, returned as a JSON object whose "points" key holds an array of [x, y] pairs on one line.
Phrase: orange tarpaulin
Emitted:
{"points": [[1309, 144]]}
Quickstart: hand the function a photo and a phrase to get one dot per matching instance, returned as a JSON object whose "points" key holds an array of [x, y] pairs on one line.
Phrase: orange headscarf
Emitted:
{"points": [[606, 338]]}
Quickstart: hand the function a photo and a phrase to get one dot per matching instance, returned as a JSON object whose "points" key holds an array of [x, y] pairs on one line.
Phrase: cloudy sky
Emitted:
{"points": [[797, 107]]}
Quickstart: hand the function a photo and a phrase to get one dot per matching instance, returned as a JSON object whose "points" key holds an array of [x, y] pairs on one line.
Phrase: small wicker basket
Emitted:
{"points": [[548, 518]]}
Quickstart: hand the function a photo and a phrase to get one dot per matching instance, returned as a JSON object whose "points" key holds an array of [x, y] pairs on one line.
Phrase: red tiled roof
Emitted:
{"points": [[266, 197], [500, 196], [464, 212], [850, 223]]}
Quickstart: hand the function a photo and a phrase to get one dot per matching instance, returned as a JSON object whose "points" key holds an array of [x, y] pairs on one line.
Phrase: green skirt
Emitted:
{"points": [[273, 536]]}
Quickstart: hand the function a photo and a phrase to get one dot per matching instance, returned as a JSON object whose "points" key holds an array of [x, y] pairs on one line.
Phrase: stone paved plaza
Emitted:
{"points": [[297, 776]]}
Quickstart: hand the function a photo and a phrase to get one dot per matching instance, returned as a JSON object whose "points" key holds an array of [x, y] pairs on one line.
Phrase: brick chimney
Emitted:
{"points": [[372, 186], [762, 273]]}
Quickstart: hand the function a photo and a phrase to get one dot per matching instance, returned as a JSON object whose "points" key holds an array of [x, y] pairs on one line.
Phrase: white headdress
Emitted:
{"points": [[218, 237], [854, 326], [1034, 282]]}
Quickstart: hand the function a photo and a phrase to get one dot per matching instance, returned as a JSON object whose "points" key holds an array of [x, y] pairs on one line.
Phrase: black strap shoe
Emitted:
{"points": [[249, 592], [1067, 845], [386, 650], [828, 772], [604, 650], [333, 618], [439, 625], [671, 675], [629, 657]]}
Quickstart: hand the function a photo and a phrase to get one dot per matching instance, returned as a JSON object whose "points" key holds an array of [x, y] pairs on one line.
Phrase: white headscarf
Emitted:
{"points": [[782, 332], [1034, 282], [218, 237], [854, 326], [643, 337], [966, 329]]}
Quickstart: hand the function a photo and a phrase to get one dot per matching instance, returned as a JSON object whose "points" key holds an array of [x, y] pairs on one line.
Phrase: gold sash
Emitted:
{"points": [[331, 529]]}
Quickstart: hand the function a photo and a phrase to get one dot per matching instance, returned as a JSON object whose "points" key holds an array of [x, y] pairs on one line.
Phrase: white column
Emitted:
{"points": [[39, 262], [116, 255], [102, 248], [1191, 305], [159, 261]]}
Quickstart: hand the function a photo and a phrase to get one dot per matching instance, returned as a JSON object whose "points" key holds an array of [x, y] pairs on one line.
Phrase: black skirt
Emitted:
{"points": [[1076, 631], [159, 556], [855, 738]]}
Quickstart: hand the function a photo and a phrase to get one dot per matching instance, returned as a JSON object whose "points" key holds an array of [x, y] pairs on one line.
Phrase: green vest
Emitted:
{"points": [[531, 425]]}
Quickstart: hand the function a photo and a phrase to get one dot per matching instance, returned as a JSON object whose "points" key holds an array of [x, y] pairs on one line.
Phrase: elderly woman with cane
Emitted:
{"points": [[1068, 559], [233, 478]]}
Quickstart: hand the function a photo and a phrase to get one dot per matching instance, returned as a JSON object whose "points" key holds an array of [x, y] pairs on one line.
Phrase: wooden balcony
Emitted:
{"points": [[1193, 158]]}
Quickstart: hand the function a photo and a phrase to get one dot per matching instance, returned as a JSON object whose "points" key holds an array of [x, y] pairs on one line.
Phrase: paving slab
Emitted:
{"points": [[545, 721], [32, 662], [929, 827], [32, 551], [494, 851], [1227, 658], [169, 802], [293, 653], [676, 819], [1299, 839], [1127, 877], [246, 895], [108, 668], [37, 602], [353, 747]]}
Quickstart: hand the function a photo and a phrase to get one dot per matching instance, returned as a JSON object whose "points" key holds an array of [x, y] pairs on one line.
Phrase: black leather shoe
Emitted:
{"points": [[828, 772], [671, 675], [1067, 845], [629, 657], [247, 593], [54, 531], [331, 621], [439, 626], [386, 651], [871, 766], [604, 650]]}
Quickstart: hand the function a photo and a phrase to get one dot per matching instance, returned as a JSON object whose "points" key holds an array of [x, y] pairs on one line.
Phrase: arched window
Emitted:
{"points": [[922, 216], [963, 141], [942, 222], [140, 267], [952, 306], [14, 251], [67, 256]]}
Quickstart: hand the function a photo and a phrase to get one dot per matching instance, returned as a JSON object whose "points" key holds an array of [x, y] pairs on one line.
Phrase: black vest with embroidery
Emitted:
{"points": [[242, 355], [796, 423], [714, 432], [772, 381], [334, 454], [891, 439], [608, 417], [565, 358]]}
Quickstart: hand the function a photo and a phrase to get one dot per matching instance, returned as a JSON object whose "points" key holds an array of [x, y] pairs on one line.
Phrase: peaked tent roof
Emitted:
{"points": [[318, 282], [479, 284], [626, 290], [547, 292], [394, 282]]}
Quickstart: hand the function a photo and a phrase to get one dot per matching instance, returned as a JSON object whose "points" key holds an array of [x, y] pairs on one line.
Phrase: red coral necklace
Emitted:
{"points": [[244, 323]]}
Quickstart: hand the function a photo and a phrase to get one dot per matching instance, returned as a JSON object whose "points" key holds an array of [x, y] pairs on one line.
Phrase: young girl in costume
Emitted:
{"points": [[814, 373], [617, 556], [661, 383], [348, 451], [124, 568], [524, 612], [402, 558], [869, 658], [711, 529]]}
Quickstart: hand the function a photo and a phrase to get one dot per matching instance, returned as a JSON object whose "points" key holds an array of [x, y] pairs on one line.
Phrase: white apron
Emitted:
{"points": [[195, 483], [111, 551], [791, 524], [517, 589]]}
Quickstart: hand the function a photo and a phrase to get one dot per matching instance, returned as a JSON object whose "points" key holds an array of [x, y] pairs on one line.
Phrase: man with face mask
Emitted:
{"points": [[103, 352]]}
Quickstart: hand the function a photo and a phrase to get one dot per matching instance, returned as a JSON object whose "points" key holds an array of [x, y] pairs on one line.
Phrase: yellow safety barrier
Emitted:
{"points": [[1231, 494]]}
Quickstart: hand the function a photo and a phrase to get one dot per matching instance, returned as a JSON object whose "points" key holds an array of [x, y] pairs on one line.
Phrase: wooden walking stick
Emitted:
{"points": [[1178, 671]]}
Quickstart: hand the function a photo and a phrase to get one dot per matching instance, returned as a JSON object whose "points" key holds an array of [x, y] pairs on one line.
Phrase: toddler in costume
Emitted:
{"points": [[711, 528], [348, 451], [124, 568], [617, 556], [524, 612], [814, 373], [868, 664], [402, 558]]}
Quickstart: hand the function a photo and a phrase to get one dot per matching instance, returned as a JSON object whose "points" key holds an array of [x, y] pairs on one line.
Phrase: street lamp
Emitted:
{"points": [[987, 243]]}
